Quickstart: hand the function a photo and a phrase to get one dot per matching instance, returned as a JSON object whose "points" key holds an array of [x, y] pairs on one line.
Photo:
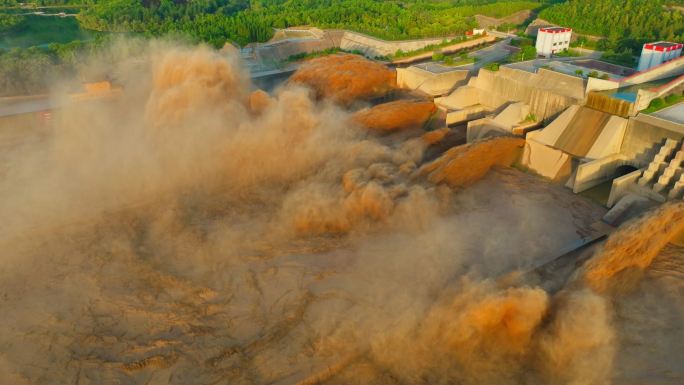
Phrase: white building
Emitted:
{"points": [[654, 54], [552, 40], [475, 32]]}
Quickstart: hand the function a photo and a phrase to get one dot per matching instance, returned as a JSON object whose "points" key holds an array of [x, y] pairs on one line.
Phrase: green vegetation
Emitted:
{"points": [[462, 59], [27, 71], [568, 53], [624, 24], [325, 52], [9, 22], [592, 74], [527, 50], [492, 66], [438, 56], [660, 103], [522, 41], [435, 47], [584, 42], [243, 21], [506, 27], [42, 30], [625, 58]]}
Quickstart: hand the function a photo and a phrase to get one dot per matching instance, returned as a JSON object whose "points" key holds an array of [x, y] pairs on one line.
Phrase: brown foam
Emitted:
{"points": [[345, 78], [395, 116], [463, 165]]}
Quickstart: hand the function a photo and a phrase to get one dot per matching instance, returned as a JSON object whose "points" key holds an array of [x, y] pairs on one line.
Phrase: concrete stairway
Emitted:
{"points": [[665, 174]]}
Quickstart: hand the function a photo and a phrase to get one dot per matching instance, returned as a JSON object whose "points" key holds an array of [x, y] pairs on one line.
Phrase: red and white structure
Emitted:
{"points": [[475, 31], [654, 54], [552, 40]]}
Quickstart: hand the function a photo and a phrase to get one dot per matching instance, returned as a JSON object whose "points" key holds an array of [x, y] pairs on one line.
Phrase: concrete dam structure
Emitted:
{"points": [[294, 41], [603, 102], [593, 136], [431, 79], [580, 134], [636, 156], [546, 92]]}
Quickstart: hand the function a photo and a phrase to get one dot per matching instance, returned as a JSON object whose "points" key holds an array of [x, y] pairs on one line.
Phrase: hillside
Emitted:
{"points": [[626, 24], [216, 21]]}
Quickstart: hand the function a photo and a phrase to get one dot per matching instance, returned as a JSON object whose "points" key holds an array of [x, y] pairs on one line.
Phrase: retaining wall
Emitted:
{"points": [[430, 83], [645, 97], [595, 172], [546, 92], [644, 132], [665, 70]]}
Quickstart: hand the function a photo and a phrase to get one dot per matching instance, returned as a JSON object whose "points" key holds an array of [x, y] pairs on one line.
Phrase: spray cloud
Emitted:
{"points": [[192, 231]]}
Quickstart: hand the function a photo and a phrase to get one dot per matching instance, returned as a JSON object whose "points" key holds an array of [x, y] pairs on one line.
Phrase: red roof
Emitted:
{"points": [[555, 30], [663, 46]]}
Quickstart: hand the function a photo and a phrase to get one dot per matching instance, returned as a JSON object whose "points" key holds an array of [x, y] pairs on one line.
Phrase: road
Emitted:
{"points": [[17, 106], [673, 114], [491, 54], [533, 65]]}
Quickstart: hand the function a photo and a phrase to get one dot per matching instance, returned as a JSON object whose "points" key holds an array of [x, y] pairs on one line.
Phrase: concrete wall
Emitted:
{"points": [[665, 70], [461, 97], [516, 18], [596, 84], [622, 186], [447, 49], [646, 96], [549, 135], [644, 132], [597, 171], [444, 83], [466, 114], [546, 92], [607, 103], [283, 49], [371, 46], [610, 139], [485, 128], [432, 84], [275, 51], [546, 161], [512, 115]]}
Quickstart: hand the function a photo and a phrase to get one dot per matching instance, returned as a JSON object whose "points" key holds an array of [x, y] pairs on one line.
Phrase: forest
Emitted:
{"points": [[25, 71], [217, 21], [8, 22], [625, 24]]}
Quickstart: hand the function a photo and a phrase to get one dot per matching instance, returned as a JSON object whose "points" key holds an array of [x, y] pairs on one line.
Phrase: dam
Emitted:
{"points": [[584, 133], [197, 230]]}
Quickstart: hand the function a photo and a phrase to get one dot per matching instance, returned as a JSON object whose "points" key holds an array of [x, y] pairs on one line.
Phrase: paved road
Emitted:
{"points": [[533, 65], [23, 106], [501, 50], [491, 54], [674, 113]]}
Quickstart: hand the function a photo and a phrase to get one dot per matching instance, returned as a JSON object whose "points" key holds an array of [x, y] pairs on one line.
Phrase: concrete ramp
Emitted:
{"points": [[584, 133], [430, 78], [583, 130]]}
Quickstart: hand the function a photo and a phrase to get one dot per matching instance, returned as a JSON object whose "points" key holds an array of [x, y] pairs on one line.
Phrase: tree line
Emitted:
{"points": [[243, 21], [625, 24], [9, 22]]}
